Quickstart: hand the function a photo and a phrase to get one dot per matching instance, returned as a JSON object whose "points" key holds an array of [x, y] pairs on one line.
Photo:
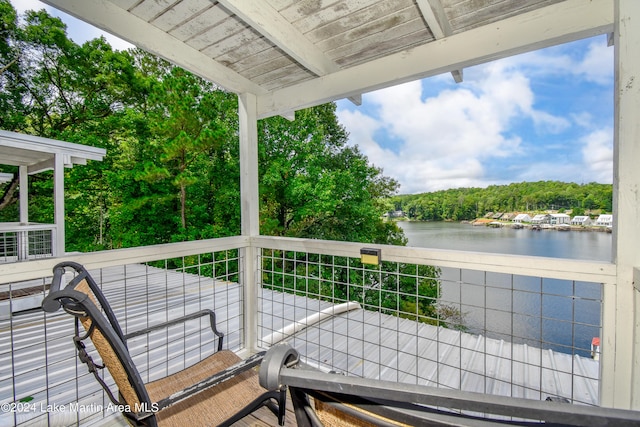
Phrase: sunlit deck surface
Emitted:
{"points": [[357, 342]]}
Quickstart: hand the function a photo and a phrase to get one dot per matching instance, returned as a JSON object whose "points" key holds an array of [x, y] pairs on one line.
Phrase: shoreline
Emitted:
{"points": [[531, 227], [538, 227]]}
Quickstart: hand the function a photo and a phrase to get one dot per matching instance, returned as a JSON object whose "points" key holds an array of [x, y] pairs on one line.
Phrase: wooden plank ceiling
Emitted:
{"points": [[296, 53]]}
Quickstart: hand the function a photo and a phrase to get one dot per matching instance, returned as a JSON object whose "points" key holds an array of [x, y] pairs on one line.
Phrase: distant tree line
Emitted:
{"points": [[470, 203]]}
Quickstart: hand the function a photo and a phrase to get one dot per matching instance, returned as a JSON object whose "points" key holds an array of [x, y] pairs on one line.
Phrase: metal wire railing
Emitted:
{"points": [[507, 326], [496, 333], [41, 380], [22, 242]]}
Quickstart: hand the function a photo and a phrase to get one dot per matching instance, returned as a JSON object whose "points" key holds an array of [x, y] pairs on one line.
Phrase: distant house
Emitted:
{"points": [[581, 220], [481, 221], [520, 218], [604, 221], [557, 219], [508, 216], [541, 219], [497, 215], [394, 214]]}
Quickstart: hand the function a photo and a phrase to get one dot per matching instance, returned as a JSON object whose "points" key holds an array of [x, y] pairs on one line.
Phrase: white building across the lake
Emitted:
{"points": [[581, 220], [604, 221], [557, 219], [520, 218]]}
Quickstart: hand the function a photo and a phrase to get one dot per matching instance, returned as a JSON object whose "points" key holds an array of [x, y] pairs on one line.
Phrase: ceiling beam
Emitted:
{"points": [[433, 14], [45, 165], [275, 28], [117, 21], [267, 21], [559, 23], [272, 25], [19, 145]]}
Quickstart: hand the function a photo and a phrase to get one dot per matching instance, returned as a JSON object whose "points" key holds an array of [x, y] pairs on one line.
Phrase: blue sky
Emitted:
{"points": [[544, 115]]}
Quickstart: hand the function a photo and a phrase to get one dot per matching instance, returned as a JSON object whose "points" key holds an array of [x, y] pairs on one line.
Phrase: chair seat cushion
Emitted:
{"points": [[211, 406]]}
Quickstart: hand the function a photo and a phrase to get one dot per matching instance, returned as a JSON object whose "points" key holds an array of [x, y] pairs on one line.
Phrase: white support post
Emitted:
{"points": [[22, 237], [24, 194], [620, 371], [249, 202], [58, 246]]}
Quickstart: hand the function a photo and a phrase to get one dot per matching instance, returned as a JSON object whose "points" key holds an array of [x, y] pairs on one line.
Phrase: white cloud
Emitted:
{"points": [[548, 123], [594, 63], [597, 152], [448, 139], [23, 5], [445, 137], [597, 64], [596, 149], [77, 30], [584, 119], [361, 129]]}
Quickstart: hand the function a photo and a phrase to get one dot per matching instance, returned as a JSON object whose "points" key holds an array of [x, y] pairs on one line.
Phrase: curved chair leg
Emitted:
{"points": [[282, 406]]}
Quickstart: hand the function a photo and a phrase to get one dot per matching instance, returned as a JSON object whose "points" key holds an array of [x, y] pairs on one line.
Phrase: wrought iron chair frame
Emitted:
{"points": [[80, 305]]}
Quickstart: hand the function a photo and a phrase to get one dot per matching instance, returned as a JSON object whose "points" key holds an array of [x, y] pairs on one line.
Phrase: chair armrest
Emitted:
{"points": [[212, 320], [50, 303], [214, 380]]}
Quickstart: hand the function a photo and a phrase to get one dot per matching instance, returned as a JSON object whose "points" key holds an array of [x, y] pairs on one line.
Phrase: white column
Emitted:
{"points": [[248, 123], [58, 246], [24, 194], [22, 236], [621, 353], [249, 213]]}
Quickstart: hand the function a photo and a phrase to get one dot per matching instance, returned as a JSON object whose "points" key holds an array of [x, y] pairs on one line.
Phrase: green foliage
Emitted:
{"points": [[405, 290], [470, 203], [11, 71], [172, 167], [314, 185], [172, 173]]}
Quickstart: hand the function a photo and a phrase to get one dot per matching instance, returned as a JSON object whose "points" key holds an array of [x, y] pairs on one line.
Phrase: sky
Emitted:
{"points": [[543, 115]]}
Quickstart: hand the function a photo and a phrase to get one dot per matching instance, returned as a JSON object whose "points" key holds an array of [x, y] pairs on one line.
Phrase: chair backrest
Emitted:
{"points": [[83, 299]]}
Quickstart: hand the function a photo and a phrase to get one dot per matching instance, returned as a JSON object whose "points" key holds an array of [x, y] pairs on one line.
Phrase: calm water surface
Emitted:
{"points": [[557, 314], [586, 245]]}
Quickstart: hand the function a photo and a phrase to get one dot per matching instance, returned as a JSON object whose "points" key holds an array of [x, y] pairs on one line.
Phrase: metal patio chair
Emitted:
{"points": [[329, 399], [218, 390]]}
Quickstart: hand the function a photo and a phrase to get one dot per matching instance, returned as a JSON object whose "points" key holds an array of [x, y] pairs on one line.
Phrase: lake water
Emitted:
{"points": [[586, 245], [556, 314]]}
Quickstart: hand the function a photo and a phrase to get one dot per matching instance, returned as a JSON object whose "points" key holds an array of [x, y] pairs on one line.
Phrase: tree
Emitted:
{"points": [[314, 185], [470, 203], [172, 167], [11, 71], [68, 92], [187, 130]]}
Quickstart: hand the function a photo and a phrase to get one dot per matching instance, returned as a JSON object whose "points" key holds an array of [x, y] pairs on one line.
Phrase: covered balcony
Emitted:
{"points": [[24, 240], [489, 334]]}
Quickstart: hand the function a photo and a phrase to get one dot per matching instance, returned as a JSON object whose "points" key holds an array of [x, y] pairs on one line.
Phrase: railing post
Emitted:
{"points": [[23, 180], [22, 244], [249, 210], [621, 367], [58, 212]]}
